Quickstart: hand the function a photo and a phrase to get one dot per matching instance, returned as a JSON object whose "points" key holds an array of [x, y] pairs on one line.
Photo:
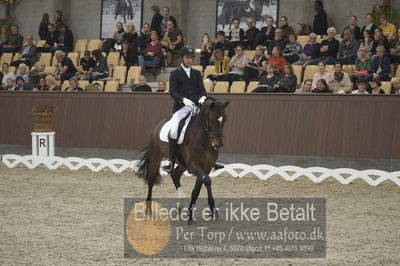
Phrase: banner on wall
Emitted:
{"points": [[227, 10], [125, 11]]}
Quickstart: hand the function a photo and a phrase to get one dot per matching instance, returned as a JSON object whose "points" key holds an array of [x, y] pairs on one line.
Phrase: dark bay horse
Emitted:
{"points": [[197, 153]]}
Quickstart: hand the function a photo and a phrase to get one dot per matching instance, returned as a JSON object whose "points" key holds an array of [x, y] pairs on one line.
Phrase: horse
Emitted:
{"points": [[124, 9], [197, 154]]}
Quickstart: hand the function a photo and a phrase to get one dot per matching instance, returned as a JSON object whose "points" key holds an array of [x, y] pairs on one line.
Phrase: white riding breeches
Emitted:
{"points": [[176, 118]]}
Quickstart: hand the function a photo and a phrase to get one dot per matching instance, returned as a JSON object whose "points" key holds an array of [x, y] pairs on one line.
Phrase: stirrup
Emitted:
{"points": [[218, 166]]}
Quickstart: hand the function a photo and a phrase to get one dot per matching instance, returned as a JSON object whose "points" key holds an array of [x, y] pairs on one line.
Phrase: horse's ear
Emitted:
{"points": [[226, 103]]}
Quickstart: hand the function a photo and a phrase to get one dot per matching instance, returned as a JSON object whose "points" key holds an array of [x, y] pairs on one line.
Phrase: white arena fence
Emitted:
{"points": [[237, 170]]}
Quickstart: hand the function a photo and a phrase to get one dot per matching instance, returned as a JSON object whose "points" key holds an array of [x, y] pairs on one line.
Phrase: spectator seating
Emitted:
{"points": [[12, 69], [6, 58], [45, 58], [40, 43], [250, 54], [298, 71], [208, 85], [386, 86], [111, 86], [113, 59], [221, 87], [303, 40], [119, 74], [398, 72], [93, 45], [238, 87], [133, 74], [49, 69], [310, 71], [209, 71], [252, 85], [199, 68], [80, 46]]}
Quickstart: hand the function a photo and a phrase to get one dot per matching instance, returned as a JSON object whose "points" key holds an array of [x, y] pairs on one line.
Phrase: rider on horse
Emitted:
{"points": [[187, 90]]}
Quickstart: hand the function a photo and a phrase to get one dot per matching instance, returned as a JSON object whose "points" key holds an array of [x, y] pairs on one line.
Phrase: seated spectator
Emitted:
{"points": [[251, 34], [367, 42], [395, 86], [292, 50], [361, 87], [164, 23], [277, 59], [267, 33], [59, 18], [269, 81], [116, 41], [131, 34], [3, 36], [162, 86], [306, 88], [321, 74], [144, 38], [28, 53], [236, 35], [101, 68], [237, 64], [329, 49], [207, 48], [43, 30], [156, 20], [42, 85], [14, 41], [379, 39], [142, 86], [363, 66], [288, 81], [277, 41], [311, 51], [376, 86], [221, 64], [130, 54], [172, 40], [370, 24], [22, 71], [353, 28], [50, 39], [65, 68], [224, 45], [36, 74], [9, 85], [64, 40], [74, 85], [388, 28], [6, 73], [322, 87], [153, 53], [52, 84], [381, 65], [348, 48], [21, 84], [252, 70], [86, 66], [286, 29], [340, 80], [395, 55]]}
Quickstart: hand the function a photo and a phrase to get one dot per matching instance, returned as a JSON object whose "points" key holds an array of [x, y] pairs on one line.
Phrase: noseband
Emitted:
{"points": [[213, 134]]}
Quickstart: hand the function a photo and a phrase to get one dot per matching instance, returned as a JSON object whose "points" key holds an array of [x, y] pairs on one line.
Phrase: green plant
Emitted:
{"points": [[43, 108], [5, 22], [383, 8]]}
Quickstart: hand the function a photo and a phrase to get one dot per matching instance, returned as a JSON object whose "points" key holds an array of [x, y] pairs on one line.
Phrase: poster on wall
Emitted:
{"points": [[227, 10], [125, 11]]}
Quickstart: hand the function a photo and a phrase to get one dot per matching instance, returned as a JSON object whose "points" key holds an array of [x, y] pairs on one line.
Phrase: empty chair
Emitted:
{"points": [[65, 85], [12, 69], [74, 57], [310, 71], [303, 39], [119, 74], [83, 83], [45, 58], [238, 87], [209, 71], [348, 69], [113, 59], [252, 85], [80, 46], [250, 54], [133, 74], [330, 68], [208, 85], [111, 86], [40, 43], [93, 45], [6, 58], [221, 87], [199, 68], [386, 86], [298, 71], [99, 82], [50, 70], [16, 57]]}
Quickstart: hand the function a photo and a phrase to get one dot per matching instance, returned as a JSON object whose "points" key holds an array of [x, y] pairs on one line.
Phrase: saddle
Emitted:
{"points": [[183, 125]]}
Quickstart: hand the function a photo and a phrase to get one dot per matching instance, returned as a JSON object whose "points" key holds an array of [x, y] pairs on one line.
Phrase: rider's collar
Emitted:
{"points": [[185, 68]]}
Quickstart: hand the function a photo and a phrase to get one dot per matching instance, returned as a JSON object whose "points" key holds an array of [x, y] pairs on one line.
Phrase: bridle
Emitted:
{"points": [[212, 134]]}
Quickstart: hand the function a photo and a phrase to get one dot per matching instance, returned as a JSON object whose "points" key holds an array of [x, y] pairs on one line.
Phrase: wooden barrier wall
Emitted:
{"points": [[315, 125]]}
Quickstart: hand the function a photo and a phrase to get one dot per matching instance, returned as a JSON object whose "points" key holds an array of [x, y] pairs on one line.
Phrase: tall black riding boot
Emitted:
{"points": [[173, 146]]}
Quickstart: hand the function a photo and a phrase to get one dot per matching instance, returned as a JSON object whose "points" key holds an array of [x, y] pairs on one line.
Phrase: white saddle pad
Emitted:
{"points": [[167, 127]]}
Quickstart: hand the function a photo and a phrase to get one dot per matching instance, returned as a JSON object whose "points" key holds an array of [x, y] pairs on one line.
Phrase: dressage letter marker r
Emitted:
{"points": [[42, 143]]}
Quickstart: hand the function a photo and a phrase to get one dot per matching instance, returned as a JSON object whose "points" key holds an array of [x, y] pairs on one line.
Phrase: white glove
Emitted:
{"points": [[188, 102], [202, 100]]}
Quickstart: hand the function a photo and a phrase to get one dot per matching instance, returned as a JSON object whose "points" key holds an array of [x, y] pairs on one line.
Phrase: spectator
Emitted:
{"points": [[153, 53], [131, 34], [9, 84], [348, 48], [361, 87], [292, 50], [381, 65], [86, 66], [50, 39], [267, 33], [251, 34], [340, 81], [74, 85], [142, 86], [320, 24], [64, 40], [288, 81], [367, 42], [116, 40], [252, 70], [36, 74], [172, 41], [162, 86], [363, 66], [28, 53], [14, 41], [370, 24], [237, 64], [52, 84], [101, 68], [268, 80], [236, 35], [144, 38], [286, 29], [65, 68], [130, 54], [164, 22], [395, 56], [395, 86], [6, 73], [3, 35], [307, 87], [376, 86], [221, 64], [388, 28], [322, 87], [207, 48], [277, 59], [224, 45], [277, 41], [379, 39], [321, 74], [21, 84], [22, 71], [354, 28], [42, 85], [59, 18], [156, 20], [311, 51], [329, 49], [43, 27]]}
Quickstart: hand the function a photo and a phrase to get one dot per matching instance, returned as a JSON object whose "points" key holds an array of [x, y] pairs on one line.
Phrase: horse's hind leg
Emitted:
{"points": [[176, 178]]}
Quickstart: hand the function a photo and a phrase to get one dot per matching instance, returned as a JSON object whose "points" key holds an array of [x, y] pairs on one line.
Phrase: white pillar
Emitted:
{"points": [[43, 144]]}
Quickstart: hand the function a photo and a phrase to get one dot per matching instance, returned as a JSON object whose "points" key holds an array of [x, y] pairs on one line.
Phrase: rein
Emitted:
{"points": [[213, 134]]}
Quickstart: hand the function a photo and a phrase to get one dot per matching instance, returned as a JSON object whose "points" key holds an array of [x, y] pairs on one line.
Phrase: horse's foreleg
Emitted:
{"points": [[176, 178], [148, 200], [195, 196]]}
